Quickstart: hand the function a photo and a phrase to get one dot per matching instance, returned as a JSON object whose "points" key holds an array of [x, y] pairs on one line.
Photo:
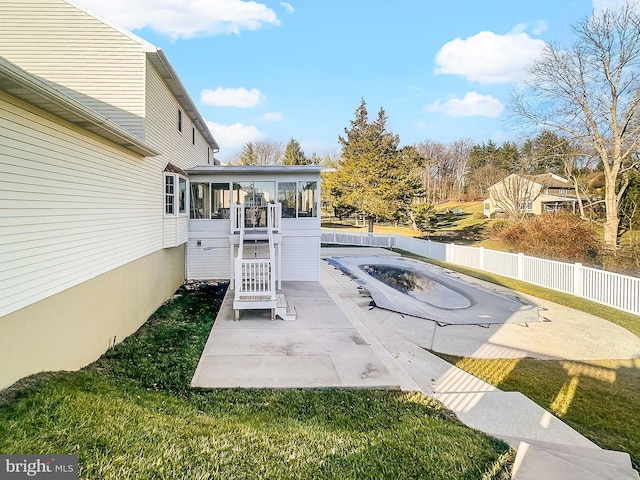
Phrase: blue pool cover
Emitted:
{"points": [[422, 290]]}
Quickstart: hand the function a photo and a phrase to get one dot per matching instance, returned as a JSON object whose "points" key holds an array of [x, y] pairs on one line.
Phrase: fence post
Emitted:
{"points": [[450, 252], [520, 266], [481, 258], [577, 280]]}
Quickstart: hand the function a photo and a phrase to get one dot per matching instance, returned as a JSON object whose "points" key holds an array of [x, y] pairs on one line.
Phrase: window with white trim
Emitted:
{"points": [[169, 194], [175, 194]]}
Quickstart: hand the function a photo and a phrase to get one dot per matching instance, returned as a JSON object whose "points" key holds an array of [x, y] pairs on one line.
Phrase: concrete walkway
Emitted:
{"points": [[340, 341]]}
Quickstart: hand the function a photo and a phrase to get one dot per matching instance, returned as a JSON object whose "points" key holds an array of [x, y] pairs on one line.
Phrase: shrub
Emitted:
{"points": [[558, 236]]}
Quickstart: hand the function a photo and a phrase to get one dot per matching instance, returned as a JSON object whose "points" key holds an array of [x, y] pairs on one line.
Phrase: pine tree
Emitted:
{"points": [[248, 156], [374, 177], [294, 155]]}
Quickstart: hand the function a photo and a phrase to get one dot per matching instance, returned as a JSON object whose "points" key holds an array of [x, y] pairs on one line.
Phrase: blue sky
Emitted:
{"points": [[298, 69]]}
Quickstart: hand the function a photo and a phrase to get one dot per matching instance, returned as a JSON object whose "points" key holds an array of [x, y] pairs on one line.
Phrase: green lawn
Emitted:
{"points": [[132, 415]]}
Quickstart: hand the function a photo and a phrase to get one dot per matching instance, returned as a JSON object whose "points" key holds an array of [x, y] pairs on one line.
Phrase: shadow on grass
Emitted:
{"points": [[598, 398]]}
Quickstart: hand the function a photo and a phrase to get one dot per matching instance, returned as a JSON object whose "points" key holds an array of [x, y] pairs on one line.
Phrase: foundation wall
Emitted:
{"points": [[73, 328]]}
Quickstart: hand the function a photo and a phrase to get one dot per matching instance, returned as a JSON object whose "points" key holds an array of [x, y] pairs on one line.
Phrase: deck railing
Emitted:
{"points": [[273, 217], [608, 288], [255, 278]]}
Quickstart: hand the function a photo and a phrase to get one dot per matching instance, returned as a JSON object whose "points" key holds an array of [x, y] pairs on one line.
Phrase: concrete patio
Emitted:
{"points": [[338, 340]]}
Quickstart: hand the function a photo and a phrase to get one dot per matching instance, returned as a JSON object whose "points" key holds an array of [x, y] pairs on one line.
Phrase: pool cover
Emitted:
{"points": [[421, 290]]}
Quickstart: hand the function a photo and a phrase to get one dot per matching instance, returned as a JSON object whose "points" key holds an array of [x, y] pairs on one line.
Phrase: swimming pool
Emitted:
{"points": [[426, 291]]}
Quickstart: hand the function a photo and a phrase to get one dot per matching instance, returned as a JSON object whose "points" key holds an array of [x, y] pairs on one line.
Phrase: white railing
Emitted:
{"points": [[608, 288], [273, 213], [254, 278]]}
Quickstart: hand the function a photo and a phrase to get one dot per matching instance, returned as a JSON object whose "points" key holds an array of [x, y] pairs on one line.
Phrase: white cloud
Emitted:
{"points": [[540, 27], [185, 19], [231, 97], [233, 136], [472, 105], [271, 117], [490, 58], [287, 6]]}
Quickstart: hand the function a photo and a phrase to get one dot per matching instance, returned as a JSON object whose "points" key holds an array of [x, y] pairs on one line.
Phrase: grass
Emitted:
{"points": [[133, 415], [597, 398]]}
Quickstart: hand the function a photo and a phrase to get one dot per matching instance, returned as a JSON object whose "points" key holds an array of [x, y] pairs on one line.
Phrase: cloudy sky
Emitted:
{"points": [[298, 69]]}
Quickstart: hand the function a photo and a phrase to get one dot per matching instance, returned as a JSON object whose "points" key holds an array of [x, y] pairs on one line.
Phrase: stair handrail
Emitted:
{"points": [[272, 251], [237, 218]]}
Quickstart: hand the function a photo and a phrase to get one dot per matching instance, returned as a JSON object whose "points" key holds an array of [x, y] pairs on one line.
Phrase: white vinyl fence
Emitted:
{"points": [[612, 289]]}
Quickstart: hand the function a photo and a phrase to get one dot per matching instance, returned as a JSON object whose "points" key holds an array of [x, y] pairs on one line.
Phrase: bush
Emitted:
{"points": [[558, 236], [497, 227]]}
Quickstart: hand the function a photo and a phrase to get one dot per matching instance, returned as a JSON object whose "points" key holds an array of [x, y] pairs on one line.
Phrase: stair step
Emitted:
{"points": [[285, 310], [536, 460]]}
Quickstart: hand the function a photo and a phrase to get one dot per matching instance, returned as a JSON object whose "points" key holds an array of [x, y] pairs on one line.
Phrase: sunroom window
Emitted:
{"points": [[298, 199], [200, 200]]}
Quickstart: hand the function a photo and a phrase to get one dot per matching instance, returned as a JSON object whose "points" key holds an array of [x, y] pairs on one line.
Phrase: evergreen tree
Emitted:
{"points": [[374, 177], [248, 156], [294, 155]]}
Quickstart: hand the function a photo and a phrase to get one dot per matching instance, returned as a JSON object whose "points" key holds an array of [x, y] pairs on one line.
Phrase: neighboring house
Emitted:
{"points": [[96, 133], [530, 194]]}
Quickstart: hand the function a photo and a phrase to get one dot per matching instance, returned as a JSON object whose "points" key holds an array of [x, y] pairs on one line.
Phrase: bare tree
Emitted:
{"points": [[590, 93], [459, 153], [269, 152]]}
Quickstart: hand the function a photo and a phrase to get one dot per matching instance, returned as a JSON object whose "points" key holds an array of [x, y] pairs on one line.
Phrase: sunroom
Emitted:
{"points": [[248, 210]]}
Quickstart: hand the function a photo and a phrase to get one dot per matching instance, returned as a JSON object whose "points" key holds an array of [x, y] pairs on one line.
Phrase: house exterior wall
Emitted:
{"points": [[70, 329], [81, 242], [74, 206], [80, 55], [86, 248], [177, 148]]}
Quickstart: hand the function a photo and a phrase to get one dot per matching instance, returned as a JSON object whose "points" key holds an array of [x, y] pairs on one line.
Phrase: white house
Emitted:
{"points": [[110, 195], [96, 133], [530, 194]]}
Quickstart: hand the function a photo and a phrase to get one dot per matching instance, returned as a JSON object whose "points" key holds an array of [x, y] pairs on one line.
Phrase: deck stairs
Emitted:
{"points": [[256, 266]]}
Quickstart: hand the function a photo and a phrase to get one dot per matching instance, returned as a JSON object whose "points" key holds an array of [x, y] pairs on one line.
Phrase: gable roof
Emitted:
{"points": [[32, 89], [547, 180]]}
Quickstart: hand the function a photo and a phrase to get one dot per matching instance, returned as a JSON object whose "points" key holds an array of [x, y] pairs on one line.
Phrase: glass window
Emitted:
{"points": [[220, 200], [169, 194], [200, 200], [287, 197], [182, 195], [180, 120], [255, 196], [307, 199]]}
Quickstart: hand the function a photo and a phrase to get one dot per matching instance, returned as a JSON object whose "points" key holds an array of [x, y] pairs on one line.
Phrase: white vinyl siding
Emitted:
{"points": [[161, 126], [79, 55], [301, 258], [210, 259], [73, 206]]}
